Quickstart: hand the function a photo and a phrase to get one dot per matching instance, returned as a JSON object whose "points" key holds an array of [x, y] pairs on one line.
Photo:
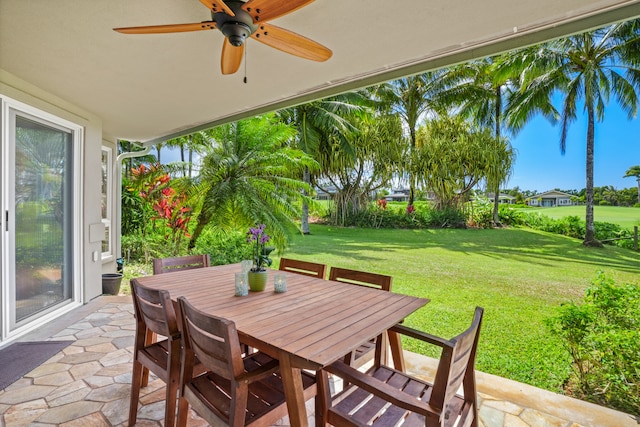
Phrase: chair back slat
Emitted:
{"points": [[456, 360], [306, 268], [154, 308], [188, 262], [213, 340], [362, 278]]}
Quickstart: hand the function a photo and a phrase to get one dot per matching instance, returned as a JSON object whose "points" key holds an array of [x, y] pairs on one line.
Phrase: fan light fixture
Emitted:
{"points": [[238, 20], [236, 32]]}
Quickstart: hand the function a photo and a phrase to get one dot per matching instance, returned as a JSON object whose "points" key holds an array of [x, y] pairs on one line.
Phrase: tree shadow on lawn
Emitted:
{"points": [[523, 245]]}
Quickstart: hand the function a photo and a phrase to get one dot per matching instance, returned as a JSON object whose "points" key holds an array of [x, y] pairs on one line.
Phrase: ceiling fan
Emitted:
{"points": [[238, 20]]}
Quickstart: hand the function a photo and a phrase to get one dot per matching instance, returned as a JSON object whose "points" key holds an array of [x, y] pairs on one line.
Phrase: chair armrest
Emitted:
{"points": [[381, 389], [422, 336], [259, 374]]}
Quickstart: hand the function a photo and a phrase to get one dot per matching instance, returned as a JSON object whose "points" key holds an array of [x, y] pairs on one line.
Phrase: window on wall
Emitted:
{"points": [[107, 242]]}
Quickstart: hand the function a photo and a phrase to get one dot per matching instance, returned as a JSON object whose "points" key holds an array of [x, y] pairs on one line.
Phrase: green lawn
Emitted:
{"points": [[623, 216], [519, 276]]}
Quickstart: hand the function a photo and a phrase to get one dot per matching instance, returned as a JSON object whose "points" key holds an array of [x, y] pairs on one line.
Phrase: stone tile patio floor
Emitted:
{"points": [[88, 383]]}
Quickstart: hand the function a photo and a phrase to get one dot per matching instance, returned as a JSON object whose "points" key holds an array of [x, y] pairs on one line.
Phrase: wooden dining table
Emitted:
{"points": [[311, 325]]}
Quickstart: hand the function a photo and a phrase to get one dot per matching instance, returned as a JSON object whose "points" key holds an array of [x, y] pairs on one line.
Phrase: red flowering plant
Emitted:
{"points": [[382, 203], [410, 209], [167, 204], [261, 252]]}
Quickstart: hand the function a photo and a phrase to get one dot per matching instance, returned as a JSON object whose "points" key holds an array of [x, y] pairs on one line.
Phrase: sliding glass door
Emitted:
{"points": [[40, 177]]}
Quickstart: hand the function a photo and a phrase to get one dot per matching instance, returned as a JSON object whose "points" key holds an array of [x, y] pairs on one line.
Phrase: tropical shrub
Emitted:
{"points": [[143, 248], [135, 212], [481, 213], [223, 247], [447, 218], [602, 335], [398, 216], [508, 216]]}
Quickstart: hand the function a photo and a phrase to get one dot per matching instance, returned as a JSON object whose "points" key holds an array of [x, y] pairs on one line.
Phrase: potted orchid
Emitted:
{"points": [[258, 274]]}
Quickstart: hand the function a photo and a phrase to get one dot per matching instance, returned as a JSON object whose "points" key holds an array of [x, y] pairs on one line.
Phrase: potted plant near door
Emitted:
{"points": [[257, 276]]}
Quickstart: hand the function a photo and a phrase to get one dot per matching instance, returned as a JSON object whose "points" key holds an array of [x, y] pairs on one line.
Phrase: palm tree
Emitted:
{"points": [[250, 176], [634, 171], [188, 144], [477, 90], [318, 124], [610, 194], [585, 68], [411, 98]]}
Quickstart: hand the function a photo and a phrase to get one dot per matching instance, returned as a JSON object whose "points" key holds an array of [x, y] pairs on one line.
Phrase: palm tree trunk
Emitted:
{"points": [[412, 191], [412, 184], [203, 220], [496, 197], [304, 220], [590, 234], [184, 168]]}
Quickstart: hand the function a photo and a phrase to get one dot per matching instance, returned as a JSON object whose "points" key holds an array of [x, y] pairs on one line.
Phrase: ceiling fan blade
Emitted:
{"points": [[172, 28], [290, 42], [265, 10], [218, 6], [231, 57]]}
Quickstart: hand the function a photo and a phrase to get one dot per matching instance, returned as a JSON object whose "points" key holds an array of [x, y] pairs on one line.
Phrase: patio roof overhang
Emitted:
{"points": [[150, 88]]}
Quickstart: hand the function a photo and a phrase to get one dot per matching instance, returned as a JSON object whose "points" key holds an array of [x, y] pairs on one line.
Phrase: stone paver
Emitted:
{"points": [[89, 382]]}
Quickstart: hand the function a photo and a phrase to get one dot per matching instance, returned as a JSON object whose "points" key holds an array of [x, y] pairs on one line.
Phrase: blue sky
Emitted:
{"points": [[540, 166]]}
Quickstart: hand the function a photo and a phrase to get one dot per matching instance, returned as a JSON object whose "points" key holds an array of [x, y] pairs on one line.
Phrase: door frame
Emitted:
{"points": [[9, 108]]}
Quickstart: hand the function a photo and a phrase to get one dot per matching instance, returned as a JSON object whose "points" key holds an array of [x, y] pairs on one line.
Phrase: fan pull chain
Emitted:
{"points": [[245, 62]]}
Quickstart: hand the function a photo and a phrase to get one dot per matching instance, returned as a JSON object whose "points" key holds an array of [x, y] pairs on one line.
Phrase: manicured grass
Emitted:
{"points": [[624, 216], [519, 276]]}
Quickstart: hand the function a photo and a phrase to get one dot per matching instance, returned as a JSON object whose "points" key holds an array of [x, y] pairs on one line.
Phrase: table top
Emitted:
{"points": [[316, 321]]}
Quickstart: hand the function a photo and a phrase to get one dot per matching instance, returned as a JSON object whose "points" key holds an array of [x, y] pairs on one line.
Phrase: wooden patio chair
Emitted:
{"points": [[364, 353], [187, 262], [235, 390], [155, 316], [386, 397], [303, 267]]}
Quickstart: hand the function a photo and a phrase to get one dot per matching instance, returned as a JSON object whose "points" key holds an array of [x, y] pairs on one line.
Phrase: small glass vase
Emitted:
{"points": [[257, 280]]}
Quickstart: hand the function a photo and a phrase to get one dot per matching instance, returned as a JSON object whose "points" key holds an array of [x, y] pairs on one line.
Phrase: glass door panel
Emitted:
{"points": [[43, 217]]}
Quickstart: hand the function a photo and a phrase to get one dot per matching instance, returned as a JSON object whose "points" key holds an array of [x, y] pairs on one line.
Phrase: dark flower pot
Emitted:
{"points": [[111, 283]]}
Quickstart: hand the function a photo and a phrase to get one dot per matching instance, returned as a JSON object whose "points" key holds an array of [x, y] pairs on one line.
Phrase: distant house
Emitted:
{"points": [[550, 199], [398, 196], [326, 195], [503, 198]]}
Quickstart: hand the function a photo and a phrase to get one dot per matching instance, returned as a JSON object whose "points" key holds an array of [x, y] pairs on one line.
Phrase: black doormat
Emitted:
{"points": [[22, 357]]}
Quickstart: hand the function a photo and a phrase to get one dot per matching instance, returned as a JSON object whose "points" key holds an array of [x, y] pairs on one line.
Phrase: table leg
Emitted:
{"points": [[294, 392], [396, 351]]}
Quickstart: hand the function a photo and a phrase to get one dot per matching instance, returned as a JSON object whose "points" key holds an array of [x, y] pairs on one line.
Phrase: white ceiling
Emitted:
{"points": [[150, 87]]}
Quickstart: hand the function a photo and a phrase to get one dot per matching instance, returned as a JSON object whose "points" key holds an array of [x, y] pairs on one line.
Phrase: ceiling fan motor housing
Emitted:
{"points": [[236, 28]]}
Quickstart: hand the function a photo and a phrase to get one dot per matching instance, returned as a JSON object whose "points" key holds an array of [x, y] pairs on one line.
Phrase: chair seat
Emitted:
{"points": [[384, 396], [158, 354], [214, 392], [368, 407]]}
